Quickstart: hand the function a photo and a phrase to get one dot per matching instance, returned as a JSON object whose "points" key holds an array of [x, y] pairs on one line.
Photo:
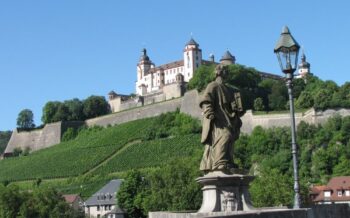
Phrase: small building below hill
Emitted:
{"points": [[103, 202], [74, 201], [337, 191]]}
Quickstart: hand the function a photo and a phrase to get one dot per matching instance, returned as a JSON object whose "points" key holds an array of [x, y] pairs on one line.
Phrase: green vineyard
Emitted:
{"points": [[74, 157], [152, 153], [100, 150]]}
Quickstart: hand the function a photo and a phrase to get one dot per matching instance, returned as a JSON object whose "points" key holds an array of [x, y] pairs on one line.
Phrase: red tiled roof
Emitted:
{"points": [[70, 198], [341, 183]]}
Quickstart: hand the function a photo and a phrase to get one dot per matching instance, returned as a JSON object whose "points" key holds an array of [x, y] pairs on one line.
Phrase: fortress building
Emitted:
{"points": [[168, 81], [164, 82], [151, 79]]}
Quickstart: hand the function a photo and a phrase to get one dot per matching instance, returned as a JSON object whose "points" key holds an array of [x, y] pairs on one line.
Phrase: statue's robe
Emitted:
{"points": [[221, 125]]}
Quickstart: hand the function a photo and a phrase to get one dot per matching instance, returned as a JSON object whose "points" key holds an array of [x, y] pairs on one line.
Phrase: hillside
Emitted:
{"points": [[118, 148], [4, 138]]}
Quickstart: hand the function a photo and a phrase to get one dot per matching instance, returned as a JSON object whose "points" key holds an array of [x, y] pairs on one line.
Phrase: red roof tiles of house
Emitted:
{"points": [[339, 188], [70, 198]]}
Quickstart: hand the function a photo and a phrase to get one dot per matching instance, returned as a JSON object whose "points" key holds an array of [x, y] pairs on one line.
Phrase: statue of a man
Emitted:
{"points": [[222, 109]]}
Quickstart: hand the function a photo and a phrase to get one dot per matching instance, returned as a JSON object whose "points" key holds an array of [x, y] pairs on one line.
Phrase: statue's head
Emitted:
{"points": [[221, 71]]}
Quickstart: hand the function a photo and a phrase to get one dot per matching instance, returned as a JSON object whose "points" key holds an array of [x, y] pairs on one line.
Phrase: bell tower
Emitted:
{"points": [[192, 59]]}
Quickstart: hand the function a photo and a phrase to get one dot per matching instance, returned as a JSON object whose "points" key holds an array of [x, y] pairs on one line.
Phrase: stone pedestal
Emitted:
{"points": [[225, 192]]}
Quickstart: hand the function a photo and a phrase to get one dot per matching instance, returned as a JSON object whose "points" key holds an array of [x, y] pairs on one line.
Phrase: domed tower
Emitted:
{"points": [[227, 58], [144, 64], [304, 67], [192, 59], [143, 67]]}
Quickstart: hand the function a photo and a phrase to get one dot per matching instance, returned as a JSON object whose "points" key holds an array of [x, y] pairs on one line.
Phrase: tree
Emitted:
{"points": [[25, 119], [279, 96], [95, 106], [164, 185], [62, 113], [305, 100], [75, 108], [49, 111], [259, 104], [272, 188], [129, 193], [203, 75]]}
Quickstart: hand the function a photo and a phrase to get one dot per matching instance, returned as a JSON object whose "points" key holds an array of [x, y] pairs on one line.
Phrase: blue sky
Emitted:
{"points": [[59, 50]]}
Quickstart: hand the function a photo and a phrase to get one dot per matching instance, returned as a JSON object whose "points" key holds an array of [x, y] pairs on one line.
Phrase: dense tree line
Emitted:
{"points": [[170, 188], [75, 109], [40, 203], [324, 152], [270, 94]]}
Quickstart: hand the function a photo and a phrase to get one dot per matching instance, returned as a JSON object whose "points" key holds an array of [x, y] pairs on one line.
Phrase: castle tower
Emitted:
{"points": [[192, 59], [304, 67], [227, 58], [144, 65]]}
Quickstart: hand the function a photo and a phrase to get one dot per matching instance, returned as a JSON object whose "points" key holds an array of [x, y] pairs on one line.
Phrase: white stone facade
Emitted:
{"points": [[152, 79]]}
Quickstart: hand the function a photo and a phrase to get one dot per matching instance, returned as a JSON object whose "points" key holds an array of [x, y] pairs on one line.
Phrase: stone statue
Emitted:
{"points": [[222, 109]]}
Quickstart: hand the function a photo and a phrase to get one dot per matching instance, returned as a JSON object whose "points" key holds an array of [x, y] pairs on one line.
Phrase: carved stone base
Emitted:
{"points": [[225, 192]]}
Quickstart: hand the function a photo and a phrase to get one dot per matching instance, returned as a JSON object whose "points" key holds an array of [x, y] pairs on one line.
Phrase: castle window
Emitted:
{"points": [[98, 208], [197, 65], [197, 58]]}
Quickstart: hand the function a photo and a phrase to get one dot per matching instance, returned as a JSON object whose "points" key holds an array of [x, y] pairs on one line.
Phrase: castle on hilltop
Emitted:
{"points": [[168, 81]]}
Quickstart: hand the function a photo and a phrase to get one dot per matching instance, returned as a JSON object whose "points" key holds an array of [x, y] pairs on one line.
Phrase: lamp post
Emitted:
{"points": [[287, 50]]}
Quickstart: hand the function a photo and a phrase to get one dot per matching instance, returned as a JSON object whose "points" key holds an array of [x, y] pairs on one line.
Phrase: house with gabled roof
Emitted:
{"points": [[75, 201], [103, 202], [337, 191]]}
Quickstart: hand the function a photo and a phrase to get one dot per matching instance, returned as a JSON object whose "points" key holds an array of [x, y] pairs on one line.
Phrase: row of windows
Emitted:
{"points": [[106, 207]]}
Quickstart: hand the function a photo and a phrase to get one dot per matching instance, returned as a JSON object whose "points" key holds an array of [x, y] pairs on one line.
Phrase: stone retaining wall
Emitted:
{"points": [[188, 104]]}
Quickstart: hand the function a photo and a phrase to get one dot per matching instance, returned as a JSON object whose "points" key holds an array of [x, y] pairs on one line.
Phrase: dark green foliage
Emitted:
{"points": [[173, 123], [324, 152], [203, 75], [170, 188], [49, 111], [244, 78], [40, 203], [69, 134], [4, 139], [95, 106], [25, 119], [74, 110], [272, 188], [305, 100], [130, 194]]}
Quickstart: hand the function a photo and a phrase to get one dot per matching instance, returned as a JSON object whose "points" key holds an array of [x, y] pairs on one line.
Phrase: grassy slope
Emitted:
{"points": [[74, 157], [105, 147]]}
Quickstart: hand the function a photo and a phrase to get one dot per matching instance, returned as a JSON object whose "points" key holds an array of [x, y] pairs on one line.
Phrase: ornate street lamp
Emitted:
{"points": [[287, 50]]}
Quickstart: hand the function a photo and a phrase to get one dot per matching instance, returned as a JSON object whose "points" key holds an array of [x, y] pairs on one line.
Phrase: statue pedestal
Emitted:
{"points": [[225, 192]]}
